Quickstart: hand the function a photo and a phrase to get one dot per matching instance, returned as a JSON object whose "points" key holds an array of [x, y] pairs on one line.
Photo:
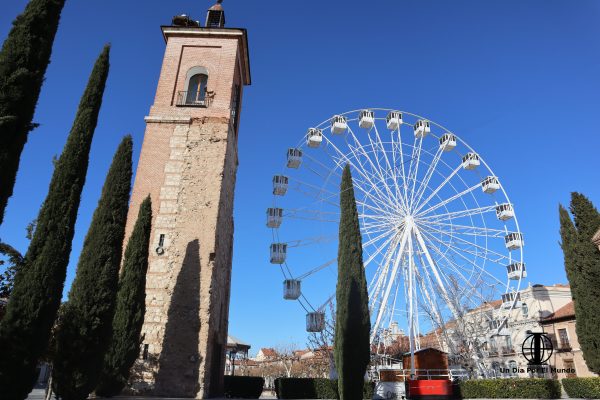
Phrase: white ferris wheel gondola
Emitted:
{"points": [[366, 119], [490, 184], [278, 253], [315, 321], [514, 240], [511, 300], [471, 161], [516, 271], [505, 211], [274, 217], [292, 288], [422, 128], [438, 229], [294, 158], [338, 124], [393, 120], [447, 142], [314, 137], [280, 185]]}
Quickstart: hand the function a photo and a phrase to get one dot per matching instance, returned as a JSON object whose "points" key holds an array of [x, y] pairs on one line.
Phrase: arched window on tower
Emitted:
{"points": [[196, 92]]}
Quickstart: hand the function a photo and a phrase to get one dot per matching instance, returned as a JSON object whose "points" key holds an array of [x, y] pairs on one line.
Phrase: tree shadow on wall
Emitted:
{"points": [[178, 365]]}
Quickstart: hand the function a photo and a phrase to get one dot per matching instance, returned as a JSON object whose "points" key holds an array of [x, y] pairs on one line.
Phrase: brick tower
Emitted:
{"points": [[188, 165]]}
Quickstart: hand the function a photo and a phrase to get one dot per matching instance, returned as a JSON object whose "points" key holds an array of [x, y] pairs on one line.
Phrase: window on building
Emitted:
{"points": [[196, 90], [563, 337], [525, 310], [512, 368], [569, 365], [145, 352], [161, 240], [508, 341], [493, 344]]}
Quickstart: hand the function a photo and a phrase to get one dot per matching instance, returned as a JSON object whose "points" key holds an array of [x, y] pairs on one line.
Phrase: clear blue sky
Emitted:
{"points": [[518, 80]]}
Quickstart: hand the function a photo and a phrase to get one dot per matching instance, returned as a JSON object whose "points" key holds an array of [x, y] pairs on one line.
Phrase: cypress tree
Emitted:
{"points": [[352, 328], [568, 235], [130, 308], [24, 57], [37, 292], [582, 263], [85, 329]]}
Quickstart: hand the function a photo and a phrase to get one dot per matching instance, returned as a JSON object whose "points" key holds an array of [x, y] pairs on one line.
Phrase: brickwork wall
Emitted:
{"points": [[188, 165]]}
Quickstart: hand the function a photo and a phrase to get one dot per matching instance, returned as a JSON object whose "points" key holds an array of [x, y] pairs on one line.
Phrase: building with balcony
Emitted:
{"points": [[567, 357], [493, 335]]}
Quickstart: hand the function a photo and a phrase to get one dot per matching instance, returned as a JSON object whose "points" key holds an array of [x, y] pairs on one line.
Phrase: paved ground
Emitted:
{"points": [[37, 394]]}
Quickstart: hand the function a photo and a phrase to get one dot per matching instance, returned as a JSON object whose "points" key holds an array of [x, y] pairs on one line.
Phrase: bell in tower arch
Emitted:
{"points": [[215, 17]]}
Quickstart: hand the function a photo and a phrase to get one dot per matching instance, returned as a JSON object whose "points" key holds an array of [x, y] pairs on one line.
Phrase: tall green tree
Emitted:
{"points": [[83, 335], [352, 325], [124, 347], [14, 260], [37, 292], [24, 58], [582, 264]]}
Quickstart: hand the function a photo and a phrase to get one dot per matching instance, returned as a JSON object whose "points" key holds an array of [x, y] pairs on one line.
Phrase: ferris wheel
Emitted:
{"points": [[440, 235]]}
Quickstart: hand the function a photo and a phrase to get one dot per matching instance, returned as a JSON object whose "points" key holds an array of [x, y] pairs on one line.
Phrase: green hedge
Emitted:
{"points": [[526, 388], [313, 388], [584, 388], [245, 387]]}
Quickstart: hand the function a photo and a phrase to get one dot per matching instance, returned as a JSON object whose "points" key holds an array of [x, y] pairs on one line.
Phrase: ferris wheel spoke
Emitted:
{"points": [[316, 197], [316, 269], [374, 217], [379, 146], [386, 294], [430, 238], [436, 272], [400, 151], [378, 250], [437, 189], [469, 229], [381, 276], [378, 238], [416, 171], [391, 311], [369, 231], [372, 207], [411, 294], [427, 289], [374, 223], [355, 150], [458, 214], [456, 268], [328, 171], [380, 198], [484, 250], [449, 200], [382, 268], [391, 167], [376, 202], [312, 215], [430, 170], [311, 240], [319, 189]]}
